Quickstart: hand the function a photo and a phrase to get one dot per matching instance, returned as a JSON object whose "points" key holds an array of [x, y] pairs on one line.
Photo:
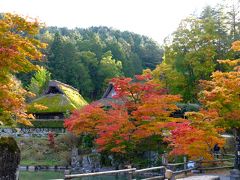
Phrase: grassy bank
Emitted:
{"points": [[39, 151], [40, 175]]}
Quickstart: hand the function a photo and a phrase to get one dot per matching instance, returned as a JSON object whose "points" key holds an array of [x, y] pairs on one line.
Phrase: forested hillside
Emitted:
{"points": [[88, 58]]}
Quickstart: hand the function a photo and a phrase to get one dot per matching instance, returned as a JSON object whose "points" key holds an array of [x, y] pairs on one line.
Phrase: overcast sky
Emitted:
{"points": [[154, 18]]}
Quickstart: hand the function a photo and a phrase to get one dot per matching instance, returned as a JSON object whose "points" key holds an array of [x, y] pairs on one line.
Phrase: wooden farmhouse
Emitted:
{"points": [[57, 100]]}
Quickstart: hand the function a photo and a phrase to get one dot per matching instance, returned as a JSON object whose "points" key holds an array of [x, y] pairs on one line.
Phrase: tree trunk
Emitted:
{"points": [[9, 158], [237, 148]]}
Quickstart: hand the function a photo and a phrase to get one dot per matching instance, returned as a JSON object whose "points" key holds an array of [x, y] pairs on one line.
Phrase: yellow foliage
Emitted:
{"points": [[18, 47], [230, 62], [236, 46], [40, 106], [30, 116], [25, 122]]}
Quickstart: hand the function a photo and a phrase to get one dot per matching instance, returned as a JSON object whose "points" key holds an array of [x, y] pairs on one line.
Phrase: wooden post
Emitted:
{"points": [[130, 173], [173, 177], [67, 172], [164, 159], [185, 164], [163, 171], [169, 174], [200, 165]]}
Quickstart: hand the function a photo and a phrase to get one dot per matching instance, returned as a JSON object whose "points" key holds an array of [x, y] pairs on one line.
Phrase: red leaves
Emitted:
{"points": [[144, 77], [221, 100], [194, 141], [114, 130], [85, 120], [51, 139], [145, 111]]}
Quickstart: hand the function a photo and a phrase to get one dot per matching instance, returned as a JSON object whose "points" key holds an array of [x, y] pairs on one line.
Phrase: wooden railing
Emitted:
{"points": [[162, 176], [128, 172], [169, 169], [216, 164]]}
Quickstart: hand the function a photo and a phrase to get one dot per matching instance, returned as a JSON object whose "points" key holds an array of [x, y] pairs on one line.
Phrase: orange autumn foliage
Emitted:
{"points": [[196, 136], [18, 46], [220, 98], [222, 93], [143, 111]]}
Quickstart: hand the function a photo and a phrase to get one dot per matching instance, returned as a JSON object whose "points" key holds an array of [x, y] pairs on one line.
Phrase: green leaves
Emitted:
{"points": [[39, 81], [87, 58], [193, 51]]}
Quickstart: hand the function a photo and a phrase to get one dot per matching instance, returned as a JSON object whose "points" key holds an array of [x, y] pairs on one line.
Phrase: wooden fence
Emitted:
{"points": [[130, 173], [169, 171]]}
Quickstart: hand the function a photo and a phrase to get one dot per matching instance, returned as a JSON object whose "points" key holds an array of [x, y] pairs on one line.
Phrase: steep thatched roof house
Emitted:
{"points": [[107, 98], [58, 99]]}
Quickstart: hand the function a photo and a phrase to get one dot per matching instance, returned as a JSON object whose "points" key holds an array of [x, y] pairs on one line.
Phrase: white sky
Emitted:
{"points": [[154, 18]]}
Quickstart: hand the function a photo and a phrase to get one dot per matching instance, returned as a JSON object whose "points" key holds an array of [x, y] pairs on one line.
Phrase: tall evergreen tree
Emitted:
{"points": [[56, 61]]}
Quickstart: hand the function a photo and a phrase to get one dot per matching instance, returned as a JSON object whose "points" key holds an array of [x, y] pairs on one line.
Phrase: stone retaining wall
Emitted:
{"points": [[37, 168], [28, 132]]}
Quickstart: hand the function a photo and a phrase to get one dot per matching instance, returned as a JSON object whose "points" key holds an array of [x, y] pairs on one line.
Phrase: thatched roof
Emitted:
{"points": [[110, 91], [58, 98], [107, 98]]}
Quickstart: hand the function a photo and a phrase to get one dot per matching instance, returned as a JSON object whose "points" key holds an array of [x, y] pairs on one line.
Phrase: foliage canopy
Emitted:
{"points": [[18, 47]]}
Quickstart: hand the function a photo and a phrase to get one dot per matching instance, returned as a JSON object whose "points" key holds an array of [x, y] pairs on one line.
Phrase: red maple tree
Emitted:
{"points": [[143, 109]]}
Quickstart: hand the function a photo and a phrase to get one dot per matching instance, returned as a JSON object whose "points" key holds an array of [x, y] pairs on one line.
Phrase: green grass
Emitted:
{"points": [[5, 127], [37, 151], [44, 162], [46, 175], [40, 175]]}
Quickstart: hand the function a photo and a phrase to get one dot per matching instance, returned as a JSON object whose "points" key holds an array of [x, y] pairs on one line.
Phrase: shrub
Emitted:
{"points": [[51, 123]]}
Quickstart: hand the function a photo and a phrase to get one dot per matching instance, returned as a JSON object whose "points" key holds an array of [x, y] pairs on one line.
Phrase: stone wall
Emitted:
{"points": [[25, 132], [85, 162]]}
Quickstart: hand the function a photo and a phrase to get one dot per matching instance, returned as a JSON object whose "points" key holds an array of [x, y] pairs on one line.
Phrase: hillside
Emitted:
{"points": [[87, 58]]}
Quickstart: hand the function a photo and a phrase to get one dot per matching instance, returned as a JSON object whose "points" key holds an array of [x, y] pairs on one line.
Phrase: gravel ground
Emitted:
{"points": [[223, 174], [209, 175], [206, 177], [201, 177]]}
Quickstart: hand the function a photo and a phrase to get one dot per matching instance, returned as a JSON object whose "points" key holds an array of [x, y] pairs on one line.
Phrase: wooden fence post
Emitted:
{"points": [[163, 172], [185, 164], [67, 172], [130, 173], [165, 159], [169, 174], [199, 166]]}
